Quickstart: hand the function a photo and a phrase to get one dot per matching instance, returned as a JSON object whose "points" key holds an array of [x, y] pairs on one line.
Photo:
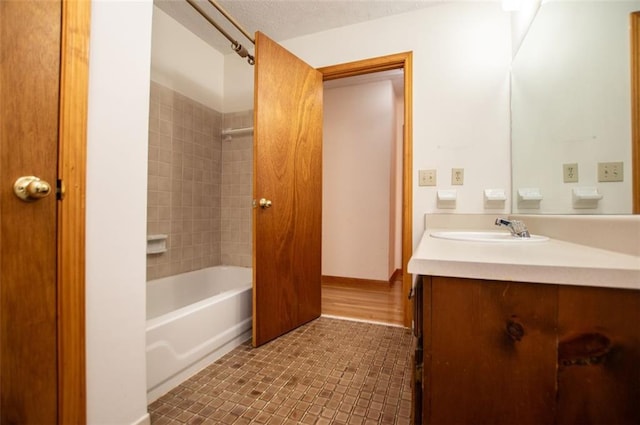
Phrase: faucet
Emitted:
{"points": [[516, 227]]}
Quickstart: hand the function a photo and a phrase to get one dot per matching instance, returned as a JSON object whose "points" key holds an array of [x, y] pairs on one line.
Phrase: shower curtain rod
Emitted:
{"points": [[237, 47], [228, 133], [231, 19]]}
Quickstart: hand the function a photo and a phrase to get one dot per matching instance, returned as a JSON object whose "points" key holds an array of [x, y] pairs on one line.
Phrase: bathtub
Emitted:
{"points": [[192, 320]]}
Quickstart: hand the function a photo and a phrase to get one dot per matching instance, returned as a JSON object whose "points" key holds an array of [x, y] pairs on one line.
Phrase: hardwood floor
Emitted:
{"points": [[363, 299]]}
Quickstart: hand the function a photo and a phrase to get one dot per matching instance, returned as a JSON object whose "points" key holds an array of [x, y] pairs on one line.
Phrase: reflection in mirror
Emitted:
{"points": [[571, 97]]}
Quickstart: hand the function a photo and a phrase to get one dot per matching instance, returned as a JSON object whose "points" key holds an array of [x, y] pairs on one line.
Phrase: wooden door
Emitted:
{"points": [[490, 352], [288, 174], [598, 356], [29, 80], [44, 52]]}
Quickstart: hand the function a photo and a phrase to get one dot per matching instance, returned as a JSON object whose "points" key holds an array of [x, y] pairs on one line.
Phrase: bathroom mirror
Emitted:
{"points": [[571, 110]]}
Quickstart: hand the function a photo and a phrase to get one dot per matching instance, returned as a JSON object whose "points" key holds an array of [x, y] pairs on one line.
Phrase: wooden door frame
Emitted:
{"points": [[402, 61], [635, 110], [72, 148]]}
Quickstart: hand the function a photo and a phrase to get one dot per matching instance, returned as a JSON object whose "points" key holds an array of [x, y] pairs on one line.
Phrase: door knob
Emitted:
{"points": [[264, 203], [31, 188]]}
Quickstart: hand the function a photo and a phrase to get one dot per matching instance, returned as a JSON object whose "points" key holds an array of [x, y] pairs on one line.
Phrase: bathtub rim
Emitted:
{"points": [[243, 286]]}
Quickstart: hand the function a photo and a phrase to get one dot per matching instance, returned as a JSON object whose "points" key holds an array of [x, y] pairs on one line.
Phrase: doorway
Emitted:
{"points": [[369, 67], [286, 256], [362, 197]]}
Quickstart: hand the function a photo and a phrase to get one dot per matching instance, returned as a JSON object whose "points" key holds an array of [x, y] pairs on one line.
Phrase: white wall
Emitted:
{"points": [[521, 21], [238, 84], [397, 193], [461, 59], [185, 63], [116, 211], [358, 137]]}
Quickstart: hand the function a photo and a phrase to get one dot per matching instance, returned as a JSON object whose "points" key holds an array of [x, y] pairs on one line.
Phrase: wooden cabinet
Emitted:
{"points": [[599, 356], [517, 353]]}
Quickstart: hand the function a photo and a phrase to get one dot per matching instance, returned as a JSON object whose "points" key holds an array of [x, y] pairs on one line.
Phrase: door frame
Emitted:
{"points": [[402, 61], [72, 148], [635, 110]]}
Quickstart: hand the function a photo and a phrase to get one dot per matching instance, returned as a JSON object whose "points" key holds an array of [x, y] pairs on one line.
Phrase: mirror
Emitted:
{"points": [[571, 117]]}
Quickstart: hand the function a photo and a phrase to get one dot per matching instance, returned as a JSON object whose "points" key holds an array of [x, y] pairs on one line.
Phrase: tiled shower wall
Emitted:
{"points": [[199, 188], [237, 171], [184, 183]]}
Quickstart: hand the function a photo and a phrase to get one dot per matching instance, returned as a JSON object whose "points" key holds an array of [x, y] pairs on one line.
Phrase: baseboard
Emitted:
{"points": [[352, 280], [396, 275], [357, 281], [144, 420], [354, 319]]}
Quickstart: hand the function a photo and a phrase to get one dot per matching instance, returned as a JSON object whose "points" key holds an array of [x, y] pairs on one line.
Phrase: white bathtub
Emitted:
{"points": [[192, 320]]}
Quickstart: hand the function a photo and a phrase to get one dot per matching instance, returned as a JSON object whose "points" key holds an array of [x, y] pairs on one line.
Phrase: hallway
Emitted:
{"points": [[328, 371], [360, 299]]}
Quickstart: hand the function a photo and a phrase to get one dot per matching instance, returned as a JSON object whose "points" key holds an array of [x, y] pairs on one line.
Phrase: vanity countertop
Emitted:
{"points": [[554, 261]]}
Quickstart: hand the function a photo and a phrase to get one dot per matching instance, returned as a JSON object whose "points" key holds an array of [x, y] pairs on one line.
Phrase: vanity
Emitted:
{"points": [[537, 331]]}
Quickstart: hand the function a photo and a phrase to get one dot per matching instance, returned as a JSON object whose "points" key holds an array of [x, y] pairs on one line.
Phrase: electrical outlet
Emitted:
{"points": [[610, 172], [570, 173], [426, 177], [457, 176]]}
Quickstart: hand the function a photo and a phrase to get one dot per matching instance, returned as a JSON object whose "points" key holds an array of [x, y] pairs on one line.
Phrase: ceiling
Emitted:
{"points": [[283, 19]]}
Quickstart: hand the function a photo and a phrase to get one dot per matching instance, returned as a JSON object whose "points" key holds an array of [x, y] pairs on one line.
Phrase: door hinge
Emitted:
{"points": [[60, 190]]}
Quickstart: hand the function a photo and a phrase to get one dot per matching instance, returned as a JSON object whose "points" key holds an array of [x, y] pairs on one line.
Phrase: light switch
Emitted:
{"points": [[426, 177], [610, 172]]}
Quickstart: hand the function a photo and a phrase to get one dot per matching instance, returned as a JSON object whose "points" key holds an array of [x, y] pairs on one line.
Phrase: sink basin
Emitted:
{"points": [[486, 237]]}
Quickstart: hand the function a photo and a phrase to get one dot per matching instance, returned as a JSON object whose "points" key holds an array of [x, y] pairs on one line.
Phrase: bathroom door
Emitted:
{"points": [[287, 191], [43, 76], [29, 138]]}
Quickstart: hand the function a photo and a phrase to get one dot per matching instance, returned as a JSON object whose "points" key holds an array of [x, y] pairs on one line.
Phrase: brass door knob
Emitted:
{"points": [[264, 203], [31, 188]]}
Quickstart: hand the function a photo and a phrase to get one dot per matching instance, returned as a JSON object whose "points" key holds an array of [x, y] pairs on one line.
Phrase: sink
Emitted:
{"points": [[472, 236]]}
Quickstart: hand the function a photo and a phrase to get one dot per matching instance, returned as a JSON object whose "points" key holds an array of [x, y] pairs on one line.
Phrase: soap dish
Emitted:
{"points": [[156, 244], [447, 198], [529, 197], [494, 198], [586, 197]]}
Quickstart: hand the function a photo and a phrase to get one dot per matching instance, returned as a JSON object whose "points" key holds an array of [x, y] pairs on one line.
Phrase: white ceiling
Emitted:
{"points": [[283, 19]]}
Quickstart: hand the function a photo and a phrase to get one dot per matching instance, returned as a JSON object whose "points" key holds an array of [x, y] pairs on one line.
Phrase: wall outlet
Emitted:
{"points": [[426, 177], [610, 172], [570, 173], [457, 176]]}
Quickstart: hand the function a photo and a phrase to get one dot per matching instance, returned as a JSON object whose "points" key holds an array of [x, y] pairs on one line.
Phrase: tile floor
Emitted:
{"points": [[328, 371]]}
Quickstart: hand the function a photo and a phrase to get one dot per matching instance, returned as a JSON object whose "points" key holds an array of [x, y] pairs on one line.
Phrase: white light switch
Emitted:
{"points": [[610, 172], [427, 177]]}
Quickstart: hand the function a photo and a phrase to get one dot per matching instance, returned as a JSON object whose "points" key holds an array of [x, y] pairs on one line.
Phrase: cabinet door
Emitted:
{"points": [[598, 356], [492, 352]]}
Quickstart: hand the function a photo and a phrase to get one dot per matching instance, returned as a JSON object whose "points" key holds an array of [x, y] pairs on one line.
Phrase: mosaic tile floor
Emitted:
{"points": [[329, 371]]}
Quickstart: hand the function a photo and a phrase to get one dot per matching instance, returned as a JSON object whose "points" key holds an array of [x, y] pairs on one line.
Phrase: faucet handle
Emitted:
{"points": [[502, 222], [516, 227]]}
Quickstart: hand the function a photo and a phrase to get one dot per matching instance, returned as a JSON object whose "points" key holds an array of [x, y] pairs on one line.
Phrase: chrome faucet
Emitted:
{"points": [[516, 227]]}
